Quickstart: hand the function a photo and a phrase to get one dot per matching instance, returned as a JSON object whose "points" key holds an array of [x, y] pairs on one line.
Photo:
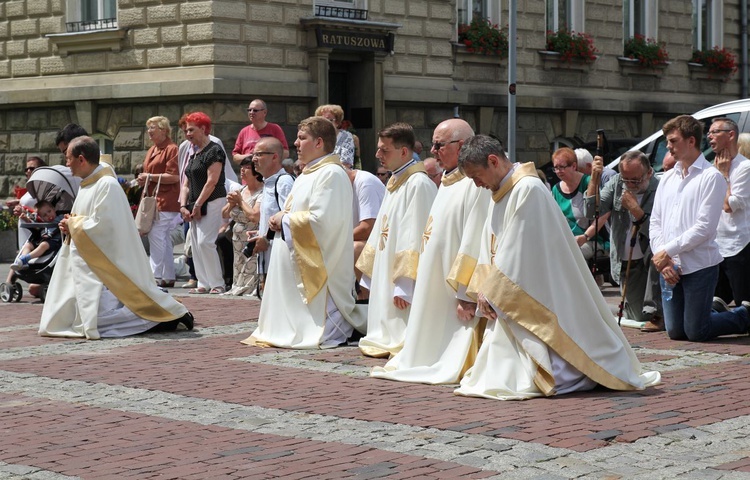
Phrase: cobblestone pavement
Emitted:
{"points": [[199, 405]]}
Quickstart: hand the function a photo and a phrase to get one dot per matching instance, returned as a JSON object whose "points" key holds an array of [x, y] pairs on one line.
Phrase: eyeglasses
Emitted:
{"points": [[560, 168], [713, 133], [633, 181], [384, 174], [439, 145], [29, 169], [258, 154], [255, 110]]}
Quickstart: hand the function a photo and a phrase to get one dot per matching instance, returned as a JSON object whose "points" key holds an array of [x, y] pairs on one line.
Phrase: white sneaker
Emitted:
{"points": [[18, 265]]}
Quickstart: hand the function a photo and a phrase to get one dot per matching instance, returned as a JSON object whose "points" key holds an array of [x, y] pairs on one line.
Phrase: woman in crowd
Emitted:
{"points": [[202, 199], [569, 194], [344, 140], [160, 170], [243, 206]]}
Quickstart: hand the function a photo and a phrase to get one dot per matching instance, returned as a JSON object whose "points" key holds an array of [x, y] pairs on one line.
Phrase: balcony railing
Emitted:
{"points": [[340, 12], [91, 25]]}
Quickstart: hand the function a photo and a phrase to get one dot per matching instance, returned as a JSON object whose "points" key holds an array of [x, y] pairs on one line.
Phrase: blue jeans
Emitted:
{"points": [[688, 314]]}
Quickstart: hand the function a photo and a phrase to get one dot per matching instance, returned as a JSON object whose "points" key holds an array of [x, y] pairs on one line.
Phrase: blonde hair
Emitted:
{"points": [[162, 123], [336, 110], [743, 143]]}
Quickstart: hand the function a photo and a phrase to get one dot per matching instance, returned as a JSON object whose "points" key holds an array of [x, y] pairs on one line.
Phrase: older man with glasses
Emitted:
{"points": [[258, 128], [733, 234], [629, 196]]}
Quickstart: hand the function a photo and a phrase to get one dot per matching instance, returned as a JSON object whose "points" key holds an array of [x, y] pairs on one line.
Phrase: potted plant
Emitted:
{"points": [[647, 51], [719, 61], [571, 45], [483, 37]]}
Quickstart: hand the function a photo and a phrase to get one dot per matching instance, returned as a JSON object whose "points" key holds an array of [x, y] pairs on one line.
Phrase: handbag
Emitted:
{"points": [[147, 209]]}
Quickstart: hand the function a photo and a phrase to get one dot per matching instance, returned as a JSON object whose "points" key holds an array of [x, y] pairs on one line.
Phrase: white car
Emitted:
{"points": [[655, 146]]}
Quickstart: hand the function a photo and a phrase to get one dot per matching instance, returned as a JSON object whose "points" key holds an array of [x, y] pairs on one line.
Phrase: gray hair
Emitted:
{"points": [[477, 149], [584, 157], [636, 156]]}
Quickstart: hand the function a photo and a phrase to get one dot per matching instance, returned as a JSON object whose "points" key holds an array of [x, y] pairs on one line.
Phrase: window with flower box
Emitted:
{"points": [[468, 10], [708, 18], [565, 14], [640, 17]]}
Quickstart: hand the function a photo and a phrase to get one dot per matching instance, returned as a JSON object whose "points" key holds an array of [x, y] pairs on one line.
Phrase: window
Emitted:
{"points": [[469, 9], [641, 18], [707, 24], [351, 9], [87, 15], [567, 14]]}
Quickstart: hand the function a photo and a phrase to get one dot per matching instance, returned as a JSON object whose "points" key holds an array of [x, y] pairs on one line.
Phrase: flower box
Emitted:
{"points": [[632, 66]]}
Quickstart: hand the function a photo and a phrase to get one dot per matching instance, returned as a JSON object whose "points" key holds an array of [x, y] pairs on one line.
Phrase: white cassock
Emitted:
{"points": [[102, 284], [308, 301], [390, 258], [554, 333], [438, 345]]}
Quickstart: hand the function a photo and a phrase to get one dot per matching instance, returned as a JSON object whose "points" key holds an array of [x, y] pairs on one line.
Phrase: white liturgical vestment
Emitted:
{"points": [[390, 258], [308, 299], [438, 345], [554, 333], [103, 258]]}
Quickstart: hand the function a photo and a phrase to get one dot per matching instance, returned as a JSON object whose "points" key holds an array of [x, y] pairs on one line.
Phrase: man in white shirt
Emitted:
{"points": [[277, 184], [683, 228], [733, 235]]}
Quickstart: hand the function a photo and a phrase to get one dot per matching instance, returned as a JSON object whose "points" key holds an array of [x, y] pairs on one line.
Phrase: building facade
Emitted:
{"points": [[109, 65]]}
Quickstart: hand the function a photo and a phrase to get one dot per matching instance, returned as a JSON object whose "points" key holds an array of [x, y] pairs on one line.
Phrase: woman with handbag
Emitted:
{"points": [[202, 198], [160, 180]]}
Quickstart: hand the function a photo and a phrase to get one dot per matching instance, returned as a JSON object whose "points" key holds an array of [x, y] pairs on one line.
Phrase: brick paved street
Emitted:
{"points": [[199, 405]]}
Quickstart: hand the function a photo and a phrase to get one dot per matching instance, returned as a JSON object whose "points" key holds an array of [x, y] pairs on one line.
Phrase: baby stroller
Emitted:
{"points": [[57, 185]]}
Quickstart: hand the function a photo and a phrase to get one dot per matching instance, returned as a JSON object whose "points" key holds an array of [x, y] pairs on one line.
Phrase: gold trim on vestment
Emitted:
{"points": [[480, 275], [255, 342], [521, 308], [118, 283], [366, 260], [307, 255], [374, 352], [395, 182], [476, 341], [523, 170], [544, 380], [92, 179], [461, 271], [405, 265], [455, 176], [331, 159]]}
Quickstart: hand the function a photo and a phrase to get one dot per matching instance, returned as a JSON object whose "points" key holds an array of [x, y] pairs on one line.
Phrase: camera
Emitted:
{"points": [[248, 250]]}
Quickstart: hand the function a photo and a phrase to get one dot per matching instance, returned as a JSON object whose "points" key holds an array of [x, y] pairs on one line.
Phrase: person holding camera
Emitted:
{"points": [[243, 207]]}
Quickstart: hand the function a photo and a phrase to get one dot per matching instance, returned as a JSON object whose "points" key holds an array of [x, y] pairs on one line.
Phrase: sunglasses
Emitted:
{"points": [[255, 110]]}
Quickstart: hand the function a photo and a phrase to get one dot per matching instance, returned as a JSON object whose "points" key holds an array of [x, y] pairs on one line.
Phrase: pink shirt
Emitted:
{"points": [[249, 136]]}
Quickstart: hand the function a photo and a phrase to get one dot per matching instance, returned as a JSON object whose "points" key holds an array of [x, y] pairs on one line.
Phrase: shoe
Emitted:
{"points": [[655, 325], [217, 290], [719, 305], [18, 265], [167, 283], [188, 320], [192, 283], [198, 291]]}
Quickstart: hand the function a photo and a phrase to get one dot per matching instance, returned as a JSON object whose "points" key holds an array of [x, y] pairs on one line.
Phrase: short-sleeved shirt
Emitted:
{"points": [[197, 172], [368, 195], [249, 136]]}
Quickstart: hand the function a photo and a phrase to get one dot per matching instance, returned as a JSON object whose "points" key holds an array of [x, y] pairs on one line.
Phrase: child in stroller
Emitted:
{"points": [[54, 189], [43, 240]]}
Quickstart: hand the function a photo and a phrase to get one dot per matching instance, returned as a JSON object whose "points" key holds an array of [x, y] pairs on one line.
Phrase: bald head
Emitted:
{"points": [[433, 170], [447, 140]]}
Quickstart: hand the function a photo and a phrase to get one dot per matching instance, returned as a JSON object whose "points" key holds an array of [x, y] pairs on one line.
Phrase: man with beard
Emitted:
{"points": [[629, 195]]}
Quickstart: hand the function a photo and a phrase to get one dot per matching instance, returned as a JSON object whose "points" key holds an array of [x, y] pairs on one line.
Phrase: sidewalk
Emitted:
{"points": [[199, 405]]}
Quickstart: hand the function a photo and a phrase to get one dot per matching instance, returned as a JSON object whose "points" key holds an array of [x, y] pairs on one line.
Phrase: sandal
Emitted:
{"points": [[217, 290], [198, 291]]}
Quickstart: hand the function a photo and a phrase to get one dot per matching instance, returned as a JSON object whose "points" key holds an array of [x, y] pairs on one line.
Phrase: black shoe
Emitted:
{"points": [[719, 305], [188, 320]]}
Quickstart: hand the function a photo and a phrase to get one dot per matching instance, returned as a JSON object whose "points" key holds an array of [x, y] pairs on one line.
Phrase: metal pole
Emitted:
{"points": [[512, 11], [743, 55]]}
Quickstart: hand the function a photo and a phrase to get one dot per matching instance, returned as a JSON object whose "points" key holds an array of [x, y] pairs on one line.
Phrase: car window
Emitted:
{"points": [[659, 149]]}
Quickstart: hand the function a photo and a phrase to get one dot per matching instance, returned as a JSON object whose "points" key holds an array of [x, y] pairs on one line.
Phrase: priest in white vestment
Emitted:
{"points": [[390, 258], [102, 284], [308, 300], [442, 331], [549, 328]]}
